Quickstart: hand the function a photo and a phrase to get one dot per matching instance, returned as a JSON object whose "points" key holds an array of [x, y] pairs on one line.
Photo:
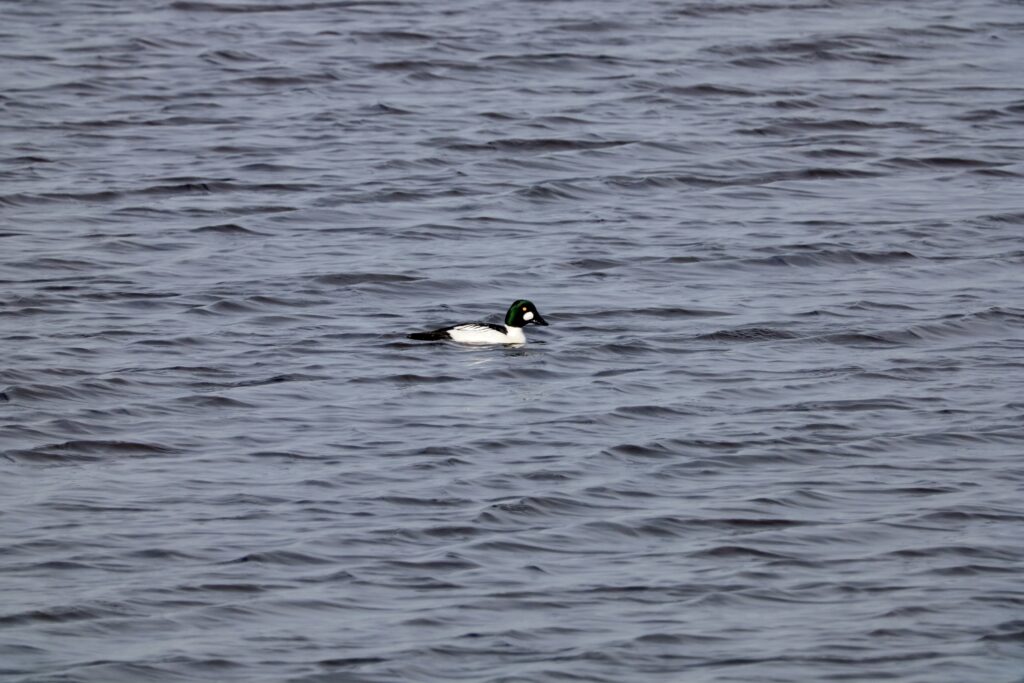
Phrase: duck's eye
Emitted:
{"points": [[524, 308]]}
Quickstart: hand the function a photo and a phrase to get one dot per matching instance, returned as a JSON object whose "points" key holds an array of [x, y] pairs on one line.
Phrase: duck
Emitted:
{"points": [[520, 314]]}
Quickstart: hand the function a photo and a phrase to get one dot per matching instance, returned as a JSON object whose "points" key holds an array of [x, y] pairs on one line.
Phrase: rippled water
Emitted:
{"points": [[774, 431]]}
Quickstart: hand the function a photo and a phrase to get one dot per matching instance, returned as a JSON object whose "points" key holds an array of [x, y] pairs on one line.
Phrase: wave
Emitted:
{"points": [[226, 229], [748, 334], [171, 189], [258, 7], [83, 450], [831, 257], [533, 145], [350, 279]]}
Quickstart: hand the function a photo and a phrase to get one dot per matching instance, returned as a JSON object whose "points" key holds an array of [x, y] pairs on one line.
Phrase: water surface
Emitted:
{"points": [[774, 431]]}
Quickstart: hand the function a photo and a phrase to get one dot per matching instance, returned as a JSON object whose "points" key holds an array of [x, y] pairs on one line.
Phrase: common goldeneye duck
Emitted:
{"points": [[520, 314]]}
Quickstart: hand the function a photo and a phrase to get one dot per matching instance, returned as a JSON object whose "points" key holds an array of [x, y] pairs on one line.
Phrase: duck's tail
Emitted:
{"points": [[435, 335]]}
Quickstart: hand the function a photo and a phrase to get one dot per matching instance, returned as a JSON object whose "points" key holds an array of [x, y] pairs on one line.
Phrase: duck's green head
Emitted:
{"points": [[523, 312]]}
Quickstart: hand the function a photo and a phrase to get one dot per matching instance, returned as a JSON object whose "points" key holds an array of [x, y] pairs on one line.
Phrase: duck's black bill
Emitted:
{"points": [[537, 320]]}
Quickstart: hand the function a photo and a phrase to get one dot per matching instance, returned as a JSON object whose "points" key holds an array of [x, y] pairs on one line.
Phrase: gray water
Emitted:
{"points": [[774, 431]]}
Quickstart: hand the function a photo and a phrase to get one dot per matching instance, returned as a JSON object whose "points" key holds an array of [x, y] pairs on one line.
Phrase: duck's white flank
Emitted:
{"points": [[482, 334]]}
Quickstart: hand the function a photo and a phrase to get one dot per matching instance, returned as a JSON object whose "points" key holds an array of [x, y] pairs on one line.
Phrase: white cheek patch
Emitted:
{"points": [[528, 316]]}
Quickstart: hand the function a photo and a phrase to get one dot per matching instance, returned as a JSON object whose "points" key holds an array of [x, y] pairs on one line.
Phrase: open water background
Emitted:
{"points": [[775, 431]]}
